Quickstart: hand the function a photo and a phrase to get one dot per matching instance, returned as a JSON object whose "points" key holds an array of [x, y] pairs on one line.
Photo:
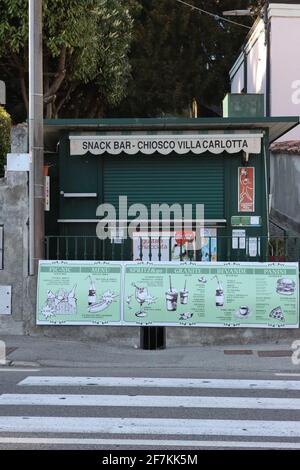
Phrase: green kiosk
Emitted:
{"points": [[220, 163]]}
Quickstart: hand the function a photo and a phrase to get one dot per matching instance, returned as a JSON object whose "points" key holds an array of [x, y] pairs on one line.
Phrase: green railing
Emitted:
{"points": [[277, 249]]}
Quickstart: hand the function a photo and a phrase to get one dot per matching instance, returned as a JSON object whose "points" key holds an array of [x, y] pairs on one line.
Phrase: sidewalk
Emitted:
{"points": [[26, 351]]}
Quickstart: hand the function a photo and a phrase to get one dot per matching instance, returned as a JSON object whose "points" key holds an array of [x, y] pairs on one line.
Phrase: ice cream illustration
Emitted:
{"points": [[171, 298]]}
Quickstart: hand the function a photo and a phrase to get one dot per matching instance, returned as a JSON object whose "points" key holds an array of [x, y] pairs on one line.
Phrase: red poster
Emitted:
{"points": [[246, 189]]}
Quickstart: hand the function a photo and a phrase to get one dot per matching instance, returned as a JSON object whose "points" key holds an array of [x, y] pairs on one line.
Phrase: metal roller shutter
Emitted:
{"points": [[187, 179]]}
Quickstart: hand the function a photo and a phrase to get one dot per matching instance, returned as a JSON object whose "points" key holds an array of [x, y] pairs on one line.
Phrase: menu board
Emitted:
{"points": [[261, 295], [79, 293]]}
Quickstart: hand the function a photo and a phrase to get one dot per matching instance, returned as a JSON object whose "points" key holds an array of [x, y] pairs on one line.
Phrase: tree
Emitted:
{"points": [[179, 54], [86, 45]]}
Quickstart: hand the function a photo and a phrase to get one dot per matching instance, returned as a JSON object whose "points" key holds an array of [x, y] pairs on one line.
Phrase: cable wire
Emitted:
{"points": [[215, 16]]}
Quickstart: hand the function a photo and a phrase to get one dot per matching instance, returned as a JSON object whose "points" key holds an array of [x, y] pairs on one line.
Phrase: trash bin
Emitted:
{"points": [[153, 337]]}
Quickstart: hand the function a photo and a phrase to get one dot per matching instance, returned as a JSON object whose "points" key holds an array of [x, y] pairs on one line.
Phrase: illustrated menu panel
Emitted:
{"points": [[174, 294]]}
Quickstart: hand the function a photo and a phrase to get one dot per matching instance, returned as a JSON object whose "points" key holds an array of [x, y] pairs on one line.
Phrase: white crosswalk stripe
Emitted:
{"points": [[164, 425], [148, 443], [161, 382], [155, 426], [152, 401]]}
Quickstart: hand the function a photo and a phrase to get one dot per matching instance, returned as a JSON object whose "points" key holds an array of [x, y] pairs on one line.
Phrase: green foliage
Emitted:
{"points": [[84, 41], [176, 54], [180, 54], [5, 126]]}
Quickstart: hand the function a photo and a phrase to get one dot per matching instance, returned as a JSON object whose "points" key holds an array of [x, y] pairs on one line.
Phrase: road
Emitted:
{"points": [[154, 408]]}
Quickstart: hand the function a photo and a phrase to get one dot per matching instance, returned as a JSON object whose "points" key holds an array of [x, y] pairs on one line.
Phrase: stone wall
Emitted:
{"points": [[14, 218]]}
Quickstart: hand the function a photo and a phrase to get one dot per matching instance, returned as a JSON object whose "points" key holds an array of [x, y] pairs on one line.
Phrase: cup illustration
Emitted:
{"points": [[184, 295], [244, 310], [171, 298]]}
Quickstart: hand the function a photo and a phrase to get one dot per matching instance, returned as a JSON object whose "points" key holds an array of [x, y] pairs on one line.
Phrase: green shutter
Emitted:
{"points": [[186, 179]]}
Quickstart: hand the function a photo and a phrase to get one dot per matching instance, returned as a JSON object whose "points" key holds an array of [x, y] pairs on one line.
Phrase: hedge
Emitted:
{"points": [[5, 127]]}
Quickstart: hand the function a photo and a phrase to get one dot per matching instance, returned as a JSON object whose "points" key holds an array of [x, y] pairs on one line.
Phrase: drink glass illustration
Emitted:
{"points": [[171, 298], [219, 294], [184, 295], [219, 298], [141, 294]]}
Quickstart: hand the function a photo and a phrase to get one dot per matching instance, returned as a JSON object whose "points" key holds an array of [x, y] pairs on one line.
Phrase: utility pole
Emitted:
{"points": [[36, 137]]}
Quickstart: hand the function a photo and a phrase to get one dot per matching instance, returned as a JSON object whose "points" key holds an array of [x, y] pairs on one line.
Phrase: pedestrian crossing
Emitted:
{"points": [[146, 412], [161, 382]]}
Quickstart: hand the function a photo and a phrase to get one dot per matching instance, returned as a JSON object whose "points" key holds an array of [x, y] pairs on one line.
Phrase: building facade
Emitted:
{"points": [[269, 61]]}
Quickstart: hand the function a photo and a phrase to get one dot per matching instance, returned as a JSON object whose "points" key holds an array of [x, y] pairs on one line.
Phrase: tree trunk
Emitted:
{"points": [[59, 76], [24, 90]]}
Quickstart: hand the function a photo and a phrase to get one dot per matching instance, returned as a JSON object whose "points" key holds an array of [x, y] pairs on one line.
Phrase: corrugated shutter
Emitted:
{"points": [[187, 179]]}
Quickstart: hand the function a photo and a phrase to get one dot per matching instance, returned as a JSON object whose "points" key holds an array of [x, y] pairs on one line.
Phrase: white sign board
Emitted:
{"points": [[18, 162], [165, 144], [47, 193], [238, 239]]}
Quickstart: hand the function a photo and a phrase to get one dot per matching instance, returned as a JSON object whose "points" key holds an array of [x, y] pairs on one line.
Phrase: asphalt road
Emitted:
{"points": [[113, 409]]}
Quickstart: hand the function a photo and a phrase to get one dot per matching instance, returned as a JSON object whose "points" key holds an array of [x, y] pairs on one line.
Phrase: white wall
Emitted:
{"points": [[285, 69], [237, 77], [256, 64]]}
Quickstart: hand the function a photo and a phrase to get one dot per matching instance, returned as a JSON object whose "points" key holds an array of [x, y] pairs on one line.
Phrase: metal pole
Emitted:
{"points": [[36, 147]]}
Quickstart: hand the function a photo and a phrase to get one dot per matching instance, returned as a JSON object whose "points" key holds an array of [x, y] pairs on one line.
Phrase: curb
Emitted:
{"points": [[23, 364]]}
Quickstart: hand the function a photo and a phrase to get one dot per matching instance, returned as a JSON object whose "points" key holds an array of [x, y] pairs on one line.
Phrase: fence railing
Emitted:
{"points": [[277, 249]]}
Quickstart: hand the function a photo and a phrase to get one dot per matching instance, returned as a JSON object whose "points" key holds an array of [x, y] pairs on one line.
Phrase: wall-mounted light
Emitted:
{"points": [[238, 13]]}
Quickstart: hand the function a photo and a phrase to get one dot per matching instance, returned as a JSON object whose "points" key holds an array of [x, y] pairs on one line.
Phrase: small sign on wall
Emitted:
{"points": [[5, 300], [238, 239], [246, 192], [47, 193]]}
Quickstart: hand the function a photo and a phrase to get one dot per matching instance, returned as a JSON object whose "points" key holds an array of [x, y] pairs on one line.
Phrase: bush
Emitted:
{"points": [[5, 126], [277, 249]]}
